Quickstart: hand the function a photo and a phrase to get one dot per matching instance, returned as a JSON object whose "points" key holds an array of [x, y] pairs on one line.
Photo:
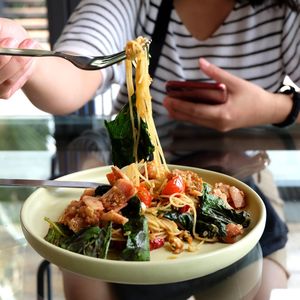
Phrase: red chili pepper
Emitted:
{"points": [[144, 195], [156, 243], [174, 185]]}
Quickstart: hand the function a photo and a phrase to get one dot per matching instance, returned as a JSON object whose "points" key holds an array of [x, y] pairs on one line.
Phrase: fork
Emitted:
{"points": [[80, 61]]}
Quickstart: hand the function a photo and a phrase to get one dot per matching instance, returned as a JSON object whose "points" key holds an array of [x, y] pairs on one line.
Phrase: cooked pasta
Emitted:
{"points": [[173, 205], [137, 55]]}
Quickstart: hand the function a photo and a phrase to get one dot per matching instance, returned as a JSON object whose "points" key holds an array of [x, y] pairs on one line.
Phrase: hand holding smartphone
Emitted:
{"points": [[197, 92]]}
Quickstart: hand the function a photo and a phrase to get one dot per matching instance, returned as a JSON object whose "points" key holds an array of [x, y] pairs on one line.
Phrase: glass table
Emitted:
{"points": [[50, 147]]}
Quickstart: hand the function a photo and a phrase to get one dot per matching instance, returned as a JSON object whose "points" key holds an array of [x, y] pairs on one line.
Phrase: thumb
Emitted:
{"points": [[216, 73]]}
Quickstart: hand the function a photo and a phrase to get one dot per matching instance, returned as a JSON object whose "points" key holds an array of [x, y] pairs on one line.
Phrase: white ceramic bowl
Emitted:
{"points": [[162, 268]]}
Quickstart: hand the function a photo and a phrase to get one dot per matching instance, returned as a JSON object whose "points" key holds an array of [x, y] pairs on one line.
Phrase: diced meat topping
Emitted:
{"points": [[237, 197], [90, 210], [116, 198], [232, 196], [193, 181], [232, 232], [82, 213]]}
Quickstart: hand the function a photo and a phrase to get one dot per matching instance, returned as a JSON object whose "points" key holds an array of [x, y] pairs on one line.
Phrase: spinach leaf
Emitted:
{"points": [[121, 137], [133, 208], [210, 230], [183, 220], [136, 229], [57, 233], [102, 189], [213, 215], [92, 241]]}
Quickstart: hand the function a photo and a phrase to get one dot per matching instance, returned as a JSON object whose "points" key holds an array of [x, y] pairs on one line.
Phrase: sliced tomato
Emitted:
{"points": [[156, 243], [144, 195], [174, 185], [184, 209]]}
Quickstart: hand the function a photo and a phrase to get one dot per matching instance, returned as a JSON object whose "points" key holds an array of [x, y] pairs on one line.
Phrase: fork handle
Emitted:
{"points": [[79, 61], [26, 52]]}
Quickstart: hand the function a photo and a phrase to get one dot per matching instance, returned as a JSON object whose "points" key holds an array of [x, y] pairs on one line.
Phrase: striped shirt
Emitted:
{"points": [[260, 44]]}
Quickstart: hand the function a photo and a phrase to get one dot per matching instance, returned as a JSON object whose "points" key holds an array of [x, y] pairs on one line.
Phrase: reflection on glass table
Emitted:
{"points": [[57, 147], [240, 280]]}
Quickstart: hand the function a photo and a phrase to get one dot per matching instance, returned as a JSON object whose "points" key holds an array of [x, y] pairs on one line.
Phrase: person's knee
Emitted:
{"points": [[274, 276], [78, 287]]}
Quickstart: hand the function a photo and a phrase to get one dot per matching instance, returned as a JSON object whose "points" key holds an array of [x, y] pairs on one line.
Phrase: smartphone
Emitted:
{"points": [[198, 92]]}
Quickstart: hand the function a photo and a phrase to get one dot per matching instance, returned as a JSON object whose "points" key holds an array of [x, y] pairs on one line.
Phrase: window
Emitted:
{"points": [[31, 14]]}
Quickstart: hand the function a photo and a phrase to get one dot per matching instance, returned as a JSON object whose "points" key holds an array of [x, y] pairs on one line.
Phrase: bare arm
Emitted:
{"points": [[52, 84], [58, 87], [247, 104]]}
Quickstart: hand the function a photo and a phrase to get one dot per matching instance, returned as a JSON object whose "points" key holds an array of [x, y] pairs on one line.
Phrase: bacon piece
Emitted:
{"points": [[219, 193], [152, 170], [93, 202], [232, 232], [90, 210], [237, 197], [116, 198], [176, 244], [230, 194]]}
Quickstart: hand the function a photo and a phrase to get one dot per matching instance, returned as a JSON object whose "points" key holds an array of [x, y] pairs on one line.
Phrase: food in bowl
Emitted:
{"points": [[146, 205]]}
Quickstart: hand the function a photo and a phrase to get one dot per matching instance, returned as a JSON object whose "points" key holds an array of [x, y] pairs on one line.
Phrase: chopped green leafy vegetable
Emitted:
{"points": [[91, 241], [102, 189], [57, 232], [121, 136], [136, 229], [183, 220], [213, 216]]}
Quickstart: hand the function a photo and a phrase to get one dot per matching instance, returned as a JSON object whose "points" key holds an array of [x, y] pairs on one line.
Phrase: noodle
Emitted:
{"points": [[137, 53]]}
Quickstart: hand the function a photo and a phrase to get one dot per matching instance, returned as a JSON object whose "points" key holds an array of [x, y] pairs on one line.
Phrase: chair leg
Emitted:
{"points": [[44, 270]]}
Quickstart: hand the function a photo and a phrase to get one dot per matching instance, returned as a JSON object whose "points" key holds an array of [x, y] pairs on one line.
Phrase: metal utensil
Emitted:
{"points": [[80, 61], [49, 183]]}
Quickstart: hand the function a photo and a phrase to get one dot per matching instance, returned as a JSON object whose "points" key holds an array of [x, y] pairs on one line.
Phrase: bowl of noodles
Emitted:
{"points": [[197, 257]]}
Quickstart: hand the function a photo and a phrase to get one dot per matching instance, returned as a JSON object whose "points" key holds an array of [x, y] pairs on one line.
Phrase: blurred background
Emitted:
{"points": [[44, 20]]}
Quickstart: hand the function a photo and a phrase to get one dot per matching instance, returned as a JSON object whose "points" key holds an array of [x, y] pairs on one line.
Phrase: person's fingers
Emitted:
{"points": [[201, 114], [7, 43], [10, 86], [219, 117], [26, 44], [217, 73], [11, 68], [14, 71]]}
